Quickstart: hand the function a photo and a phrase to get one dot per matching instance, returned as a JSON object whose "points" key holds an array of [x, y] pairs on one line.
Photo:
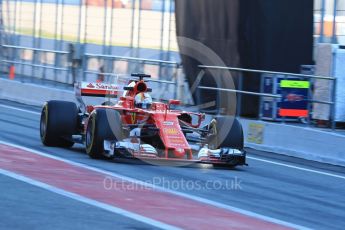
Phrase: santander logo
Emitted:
{"points": [[107, 87], [90, 85], [100, 86]]}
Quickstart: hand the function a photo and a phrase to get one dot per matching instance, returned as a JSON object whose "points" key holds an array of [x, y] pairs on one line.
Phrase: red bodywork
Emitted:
{"points": [[159, 115]]}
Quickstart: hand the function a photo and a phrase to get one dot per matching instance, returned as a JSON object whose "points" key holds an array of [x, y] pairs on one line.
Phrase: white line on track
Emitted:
{"points": [[296, 167], [162, 189], [95, 203], [21, 110]]}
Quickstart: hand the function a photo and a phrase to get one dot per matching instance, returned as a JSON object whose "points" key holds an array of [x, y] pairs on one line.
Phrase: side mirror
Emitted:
{"points": [[174, 102]]}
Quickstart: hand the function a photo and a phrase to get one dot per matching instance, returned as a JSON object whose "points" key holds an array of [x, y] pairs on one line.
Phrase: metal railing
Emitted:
{"points": [[329, 21], [275, 96], [164, 73], [31, 63], [35, 49], [142, 25], [167, 74], [38, 63]]}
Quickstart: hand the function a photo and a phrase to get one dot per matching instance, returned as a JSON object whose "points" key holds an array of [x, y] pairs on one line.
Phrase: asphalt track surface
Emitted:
{"points": [[296, 191]]}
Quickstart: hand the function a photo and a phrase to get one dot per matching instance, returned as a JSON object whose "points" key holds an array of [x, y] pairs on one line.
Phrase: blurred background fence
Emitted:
{"points": [[131, 28], [329, 21], [47, 38], [62, 40]]}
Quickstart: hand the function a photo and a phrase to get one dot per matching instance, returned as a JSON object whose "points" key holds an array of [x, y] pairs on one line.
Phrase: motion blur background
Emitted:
{"points": [[123, 24], [67, 40]]}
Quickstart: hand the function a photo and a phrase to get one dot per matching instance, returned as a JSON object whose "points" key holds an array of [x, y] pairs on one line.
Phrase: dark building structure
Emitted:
{"points": [[257, 34]]}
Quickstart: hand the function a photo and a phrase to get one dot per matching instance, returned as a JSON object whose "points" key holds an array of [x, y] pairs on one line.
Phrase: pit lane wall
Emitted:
{"points": [[298, 141], [291, 140]]}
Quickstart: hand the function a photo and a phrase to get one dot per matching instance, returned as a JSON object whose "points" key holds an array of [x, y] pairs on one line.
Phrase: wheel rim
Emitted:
{"points": [[43, 124], [88, 138]]}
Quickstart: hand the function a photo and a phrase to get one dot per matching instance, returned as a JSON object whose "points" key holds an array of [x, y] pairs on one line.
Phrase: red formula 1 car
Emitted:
{"points": [[137, 127]]}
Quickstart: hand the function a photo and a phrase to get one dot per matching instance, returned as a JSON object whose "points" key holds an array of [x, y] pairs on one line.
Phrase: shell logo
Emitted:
{"points": [[171, 131]]}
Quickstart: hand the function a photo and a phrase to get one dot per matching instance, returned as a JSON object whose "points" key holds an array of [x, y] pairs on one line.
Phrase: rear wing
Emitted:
{"points": [[97, 89]]}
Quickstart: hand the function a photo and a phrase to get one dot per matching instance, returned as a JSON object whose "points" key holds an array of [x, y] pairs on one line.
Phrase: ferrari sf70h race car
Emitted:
{"points": [[137, 127]]}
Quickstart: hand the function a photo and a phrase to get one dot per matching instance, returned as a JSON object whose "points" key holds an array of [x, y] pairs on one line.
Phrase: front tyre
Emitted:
{"points": [[103, 124], [58, 123], [226, 132]]}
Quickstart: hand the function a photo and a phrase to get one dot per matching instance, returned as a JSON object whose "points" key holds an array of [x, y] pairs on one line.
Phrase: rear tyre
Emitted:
{"points": [[58, 123], [103, 124]]}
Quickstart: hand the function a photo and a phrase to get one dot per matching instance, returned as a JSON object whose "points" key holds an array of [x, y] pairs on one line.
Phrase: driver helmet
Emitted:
{"points": [[143, 101]]}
